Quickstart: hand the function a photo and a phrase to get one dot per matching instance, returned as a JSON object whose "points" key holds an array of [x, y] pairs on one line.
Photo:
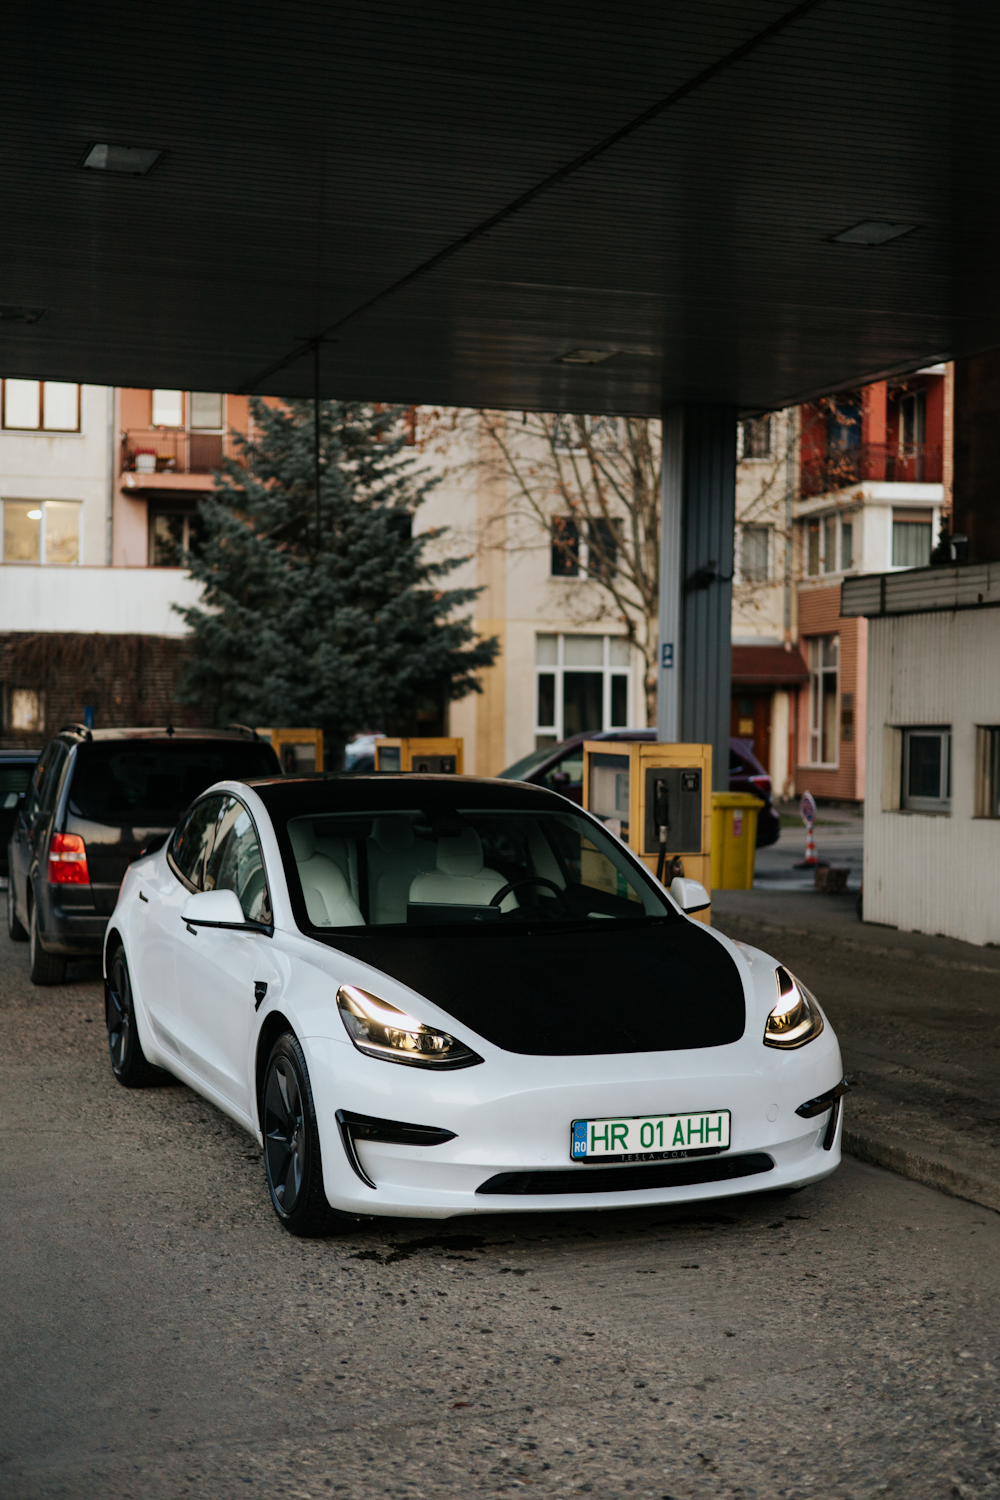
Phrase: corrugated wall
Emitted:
{"points": [[926, 873]]}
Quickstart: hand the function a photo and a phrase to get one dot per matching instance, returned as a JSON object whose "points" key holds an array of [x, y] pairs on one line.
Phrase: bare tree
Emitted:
{"points": [[589, 489]]}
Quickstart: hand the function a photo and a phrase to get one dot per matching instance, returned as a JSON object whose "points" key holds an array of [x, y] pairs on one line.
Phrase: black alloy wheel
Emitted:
{"points": [[292, 1158], [44, 968], [128, 1061], [15, 929]]}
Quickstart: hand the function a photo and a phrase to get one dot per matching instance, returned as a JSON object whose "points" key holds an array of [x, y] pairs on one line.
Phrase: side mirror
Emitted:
{"points": [[215, 909], [559, 779], [690, 895]]}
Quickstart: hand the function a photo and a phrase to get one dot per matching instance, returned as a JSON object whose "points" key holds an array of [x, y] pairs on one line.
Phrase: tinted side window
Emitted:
{"points": [[236, 863], [193, 839], [50, 790], [42, 780]]}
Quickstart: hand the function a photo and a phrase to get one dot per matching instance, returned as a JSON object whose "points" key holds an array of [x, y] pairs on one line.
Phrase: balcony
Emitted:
{"points": [[147, 451], [870, 463]]}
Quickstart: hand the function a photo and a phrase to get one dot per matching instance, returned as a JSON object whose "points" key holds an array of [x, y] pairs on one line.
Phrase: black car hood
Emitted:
{"points": [[644, 988]]}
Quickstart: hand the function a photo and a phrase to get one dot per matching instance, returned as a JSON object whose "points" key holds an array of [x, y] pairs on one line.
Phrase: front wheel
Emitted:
{"points": [[128, 1061], [292, 1158], [45, 968], [15, 930]]}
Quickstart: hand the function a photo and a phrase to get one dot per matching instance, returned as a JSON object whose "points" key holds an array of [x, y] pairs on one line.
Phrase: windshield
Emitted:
{"points": [[434, 868], [522, 768], [149, 784]]}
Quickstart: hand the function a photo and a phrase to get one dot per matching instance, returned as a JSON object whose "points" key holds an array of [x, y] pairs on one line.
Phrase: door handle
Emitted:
{"points": [[143, 897]]}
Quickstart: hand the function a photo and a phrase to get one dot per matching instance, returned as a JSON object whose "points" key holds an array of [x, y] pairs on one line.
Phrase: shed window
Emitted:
{"points": [[987, 771], [927, 769]]}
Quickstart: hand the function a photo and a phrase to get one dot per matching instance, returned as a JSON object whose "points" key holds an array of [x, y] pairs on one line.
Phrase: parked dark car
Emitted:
{"points": [[16, 767], [560, 768], [95, 800]]}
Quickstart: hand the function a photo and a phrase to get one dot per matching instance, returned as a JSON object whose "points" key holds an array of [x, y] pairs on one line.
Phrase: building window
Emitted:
{"points": [[927, 770], [846, 546], [829, 545], [911, 540], [565, 547], [41, 406], [987, 771], [756, 438], [25, 711], [755, 554], [912, 423], [168, 408], [172, 534], [566, 436], [602, 549], [37, 531], [582, 685], [206, 411], [824, 672]]}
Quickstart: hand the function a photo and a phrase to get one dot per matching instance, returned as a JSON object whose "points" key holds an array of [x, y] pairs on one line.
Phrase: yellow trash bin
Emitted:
{"points": [[734, 839]]}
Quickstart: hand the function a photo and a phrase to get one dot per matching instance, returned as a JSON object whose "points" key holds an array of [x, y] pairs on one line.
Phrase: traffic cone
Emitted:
{"points": [[810, 862]]}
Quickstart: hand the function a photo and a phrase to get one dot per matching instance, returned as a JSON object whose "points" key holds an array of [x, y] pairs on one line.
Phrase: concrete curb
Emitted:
{"points": [[748, 926], [922, 1165]]}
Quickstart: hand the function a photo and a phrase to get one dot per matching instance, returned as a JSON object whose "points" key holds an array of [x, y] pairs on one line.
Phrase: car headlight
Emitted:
{"points": [[796, 1018], [380, 1030]]}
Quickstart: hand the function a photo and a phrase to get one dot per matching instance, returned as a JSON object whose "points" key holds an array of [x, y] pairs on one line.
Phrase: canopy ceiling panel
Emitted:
{"points": [[453, 198]]}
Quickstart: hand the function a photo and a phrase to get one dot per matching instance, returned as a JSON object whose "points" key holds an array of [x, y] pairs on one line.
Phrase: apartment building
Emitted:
{"points": [[856, 483]]}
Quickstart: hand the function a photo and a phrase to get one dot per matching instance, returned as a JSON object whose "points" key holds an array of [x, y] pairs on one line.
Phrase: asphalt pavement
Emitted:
{"points": [[162, 1337]]}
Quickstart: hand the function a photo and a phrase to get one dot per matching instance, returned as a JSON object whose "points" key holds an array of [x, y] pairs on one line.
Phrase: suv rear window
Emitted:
{"points": [[150, 785]]}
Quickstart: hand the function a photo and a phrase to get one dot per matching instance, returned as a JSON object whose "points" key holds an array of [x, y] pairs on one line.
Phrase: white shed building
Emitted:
{"points": [[932, 806]]}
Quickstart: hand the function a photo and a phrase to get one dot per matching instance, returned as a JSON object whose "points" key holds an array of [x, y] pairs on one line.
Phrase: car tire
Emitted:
{"points": [[129, 1063], [292, 1159], [44, 968], [15, 930]]}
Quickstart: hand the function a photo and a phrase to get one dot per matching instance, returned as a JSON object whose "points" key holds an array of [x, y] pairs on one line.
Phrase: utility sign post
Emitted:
{"points": [[807, 808]]}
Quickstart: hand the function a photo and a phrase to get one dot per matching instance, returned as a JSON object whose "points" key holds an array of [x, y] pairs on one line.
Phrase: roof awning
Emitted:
{"points": [[768, 666]]}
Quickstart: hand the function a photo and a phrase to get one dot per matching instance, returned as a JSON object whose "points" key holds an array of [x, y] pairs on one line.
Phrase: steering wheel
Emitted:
{"points": [[512, 885]]}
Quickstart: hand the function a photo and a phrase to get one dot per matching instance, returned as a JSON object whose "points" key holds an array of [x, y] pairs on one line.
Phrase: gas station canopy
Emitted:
{"points": [[585, 207]]}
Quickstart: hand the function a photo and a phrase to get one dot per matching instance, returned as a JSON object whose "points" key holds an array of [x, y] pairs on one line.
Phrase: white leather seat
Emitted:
{"points": [[329, 902], [460, 878], [395, 858]]}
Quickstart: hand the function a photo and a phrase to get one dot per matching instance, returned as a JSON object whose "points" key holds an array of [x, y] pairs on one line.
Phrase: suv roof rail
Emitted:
{"points": [[244, 729], [83, 729]]}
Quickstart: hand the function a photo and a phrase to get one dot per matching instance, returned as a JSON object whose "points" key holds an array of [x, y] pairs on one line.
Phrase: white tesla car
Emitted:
{"points": [[438, 995]]}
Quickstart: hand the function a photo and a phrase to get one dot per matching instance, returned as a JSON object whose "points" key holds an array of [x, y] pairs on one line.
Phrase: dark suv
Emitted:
{"points": [[16, 767], [96, 799], [560, 768]]}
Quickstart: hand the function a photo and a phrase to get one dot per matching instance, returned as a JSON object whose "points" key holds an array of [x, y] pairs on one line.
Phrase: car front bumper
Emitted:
{"points": [[512, 1115]]}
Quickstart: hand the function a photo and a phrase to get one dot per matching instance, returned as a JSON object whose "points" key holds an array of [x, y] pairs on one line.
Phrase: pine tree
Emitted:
{"points": [[342, 625]]}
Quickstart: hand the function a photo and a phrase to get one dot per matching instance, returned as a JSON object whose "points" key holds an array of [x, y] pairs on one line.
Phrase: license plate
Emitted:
{"points": [[650, 1137]]}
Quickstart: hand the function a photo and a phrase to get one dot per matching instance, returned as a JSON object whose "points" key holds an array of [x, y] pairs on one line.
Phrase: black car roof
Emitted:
{"points": [[291, 796]]}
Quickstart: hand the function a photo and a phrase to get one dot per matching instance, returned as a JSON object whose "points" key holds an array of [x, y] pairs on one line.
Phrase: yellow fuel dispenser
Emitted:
{"points": [[299, 750], [658, 800], [442, 757]]}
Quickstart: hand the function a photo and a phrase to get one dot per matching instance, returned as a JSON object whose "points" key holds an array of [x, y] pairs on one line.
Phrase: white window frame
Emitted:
{"points": [[41, 430], [559, 670], [941, 803], [816, 699], [42, 505], [769, 564]]}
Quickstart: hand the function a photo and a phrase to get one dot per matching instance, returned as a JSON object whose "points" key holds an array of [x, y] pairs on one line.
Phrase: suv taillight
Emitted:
{"points": [[68, 860], [762, 783]]}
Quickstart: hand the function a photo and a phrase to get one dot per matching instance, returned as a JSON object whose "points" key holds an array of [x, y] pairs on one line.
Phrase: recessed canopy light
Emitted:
{"points": [[9, 313], [135, 160], [34, 515], [872, 232], [585, 356]]}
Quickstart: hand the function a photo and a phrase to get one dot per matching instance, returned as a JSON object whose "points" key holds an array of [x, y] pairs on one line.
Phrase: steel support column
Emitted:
{"points": [[698, 520]]}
